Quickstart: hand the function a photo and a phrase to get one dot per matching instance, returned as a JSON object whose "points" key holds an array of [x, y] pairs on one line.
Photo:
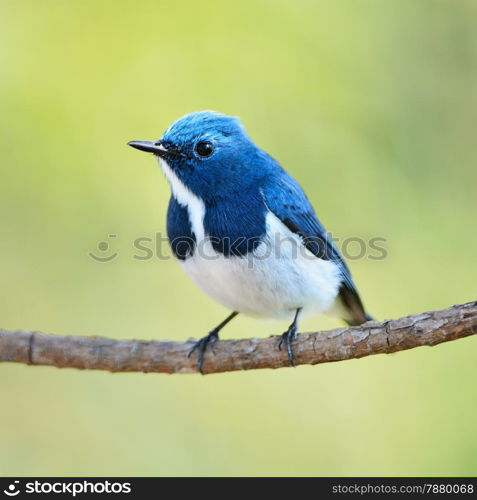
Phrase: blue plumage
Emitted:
{"points": [[244, 229], [179, 230], [237, 225], [222, 174]]}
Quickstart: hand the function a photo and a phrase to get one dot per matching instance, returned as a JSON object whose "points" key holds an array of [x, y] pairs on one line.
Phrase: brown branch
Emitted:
{"points": [[100, 353]]}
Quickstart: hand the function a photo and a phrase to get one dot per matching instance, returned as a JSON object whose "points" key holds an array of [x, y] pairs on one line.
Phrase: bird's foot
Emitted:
{"points": [[201, 346], [288, 337]]}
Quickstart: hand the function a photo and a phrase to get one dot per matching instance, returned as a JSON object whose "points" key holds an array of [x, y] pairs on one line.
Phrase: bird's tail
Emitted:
{"points": [[351, 308]]}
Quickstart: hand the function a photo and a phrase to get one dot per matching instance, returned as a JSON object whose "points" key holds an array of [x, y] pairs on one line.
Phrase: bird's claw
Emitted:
{"points": [[288, 337], [201, 346]]}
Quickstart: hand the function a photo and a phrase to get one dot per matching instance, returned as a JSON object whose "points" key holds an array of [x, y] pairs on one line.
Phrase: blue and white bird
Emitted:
{"points": [[244, 230]]}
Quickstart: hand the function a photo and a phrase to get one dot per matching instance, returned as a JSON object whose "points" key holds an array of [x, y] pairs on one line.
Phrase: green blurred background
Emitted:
{"points": [[371, 105]]}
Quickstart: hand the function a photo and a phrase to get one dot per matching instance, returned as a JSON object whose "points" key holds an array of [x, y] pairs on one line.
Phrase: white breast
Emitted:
{"points": [[278, 277]]}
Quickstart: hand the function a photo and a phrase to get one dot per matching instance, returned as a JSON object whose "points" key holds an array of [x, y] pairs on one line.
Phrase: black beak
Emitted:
{"points": [[149, 146]]}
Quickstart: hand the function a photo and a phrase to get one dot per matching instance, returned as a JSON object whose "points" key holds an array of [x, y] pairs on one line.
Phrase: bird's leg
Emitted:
{"points": [[210, 339], [289, 336]]}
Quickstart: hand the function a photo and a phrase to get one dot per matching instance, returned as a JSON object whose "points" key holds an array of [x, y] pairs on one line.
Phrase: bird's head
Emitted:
{"points": [[209, 152]]}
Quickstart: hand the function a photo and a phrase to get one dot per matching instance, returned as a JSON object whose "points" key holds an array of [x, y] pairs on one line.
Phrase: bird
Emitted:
{"points": [[244, 230]]}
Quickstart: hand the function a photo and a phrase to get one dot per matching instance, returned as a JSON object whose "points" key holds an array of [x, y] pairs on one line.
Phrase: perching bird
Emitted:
{"points": [[244, 230]]}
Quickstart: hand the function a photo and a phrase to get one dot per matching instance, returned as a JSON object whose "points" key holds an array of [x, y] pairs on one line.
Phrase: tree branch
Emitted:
{"points": [[100, 353]]}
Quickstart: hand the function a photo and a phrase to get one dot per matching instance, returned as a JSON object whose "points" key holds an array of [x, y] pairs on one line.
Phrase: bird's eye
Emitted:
{"points": [[204, 148]]}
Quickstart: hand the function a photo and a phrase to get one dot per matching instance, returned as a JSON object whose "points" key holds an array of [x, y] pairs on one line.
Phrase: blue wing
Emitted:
{"points": [[287, 200]]}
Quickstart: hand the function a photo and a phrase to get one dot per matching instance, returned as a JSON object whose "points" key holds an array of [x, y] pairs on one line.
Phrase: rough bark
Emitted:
{"points": [[100, 353]]}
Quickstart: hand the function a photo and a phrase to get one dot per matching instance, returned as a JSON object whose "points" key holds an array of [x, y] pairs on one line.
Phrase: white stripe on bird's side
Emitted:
{"points": [[186, 198]]}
